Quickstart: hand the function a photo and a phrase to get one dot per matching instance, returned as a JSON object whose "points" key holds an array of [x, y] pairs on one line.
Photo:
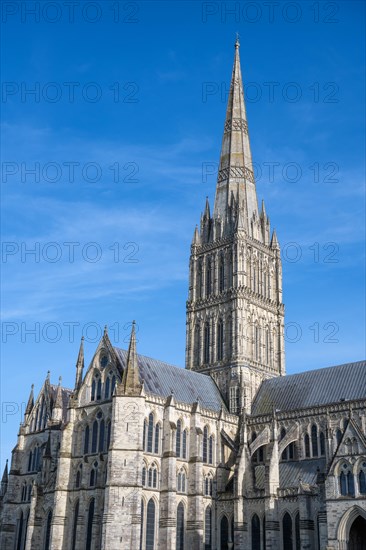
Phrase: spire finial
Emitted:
{"points": [[237, 41], [105, 330]]}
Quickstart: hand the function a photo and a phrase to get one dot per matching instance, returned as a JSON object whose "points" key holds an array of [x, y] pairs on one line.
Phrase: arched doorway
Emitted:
{"points": [[224, 533], [357, 534]]}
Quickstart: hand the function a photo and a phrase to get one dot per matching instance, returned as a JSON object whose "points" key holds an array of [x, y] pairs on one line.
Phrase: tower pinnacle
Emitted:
{"points": [[80, 365], [131, 384]]}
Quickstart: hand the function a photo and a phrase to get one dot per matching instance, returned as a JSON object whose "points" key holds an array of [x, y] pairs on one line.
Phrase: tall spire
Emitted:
{"points": [[30, 403], [80, 365], [236, 170], [131, 384]]}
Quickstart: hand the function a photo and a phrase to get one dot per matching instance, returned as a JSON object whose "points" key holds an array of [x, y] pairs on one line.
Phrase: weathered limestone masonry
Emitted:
{"points": [[229, 453]]}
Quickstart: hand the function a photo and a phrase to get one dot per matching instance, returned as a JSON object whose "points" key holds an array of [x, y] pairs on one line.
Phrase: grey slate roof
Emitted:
{"points": [[187, 386], [306, 470], [311, 388]]}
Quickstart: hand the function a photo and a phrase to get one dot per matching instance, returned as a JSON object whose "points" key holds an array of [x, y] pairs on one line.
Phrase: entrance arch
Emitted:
{"points": [[357, 534], [351, 526]]}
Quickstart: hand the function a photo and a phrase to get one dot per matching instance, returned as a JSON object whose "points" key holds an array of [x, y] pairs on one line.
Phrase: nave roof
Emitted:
{"points": [[311, 388], [163, 380]]}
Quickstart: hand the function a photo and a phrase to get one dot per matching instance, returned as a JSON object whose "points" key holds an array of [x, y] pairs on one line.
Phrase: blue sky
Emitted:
{"points": [[127, 161]]}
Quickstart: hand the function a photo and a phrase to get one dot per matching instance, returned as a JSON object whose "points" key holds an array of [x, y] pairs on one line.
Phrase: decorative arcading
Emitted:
{"points": [[235, 172]]}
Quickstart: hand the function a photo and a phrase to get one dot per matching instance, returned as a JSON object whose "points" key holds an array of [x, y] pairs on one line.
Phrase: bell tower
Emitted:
{"points": [[235, 314]]}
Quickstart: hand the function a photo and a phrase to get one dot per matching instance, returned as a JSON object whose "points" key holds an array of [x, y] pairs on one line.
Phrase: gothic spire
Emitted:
{"points": [[274, 241], [80, 365], [4, 479], [236, 170], [207, 214], [30, 403], [196, 237], [131, 384]]}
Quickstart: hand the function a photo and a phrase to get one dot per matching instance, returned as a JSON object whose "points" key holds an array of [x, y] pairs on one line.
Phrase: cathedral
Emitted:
{"points": [[228, 453]]}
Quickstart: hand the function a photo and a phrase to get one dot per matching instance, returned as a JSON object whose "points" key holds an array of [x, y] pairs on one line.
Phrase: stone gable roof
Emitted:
{"points": [[312, 388], [187, 386]]}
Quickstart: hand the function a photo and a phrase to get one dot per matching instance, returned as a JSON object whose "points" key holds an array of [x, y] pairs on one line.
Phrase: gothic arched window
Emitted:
{"points": [[178, 438], [322, 443], [197, 345], [256, 533], [210, 449], [89, 532], [200, 280], [152, 478], [30, 461], [113, 385], [93, 475], [287, 532], [307, 445], [208, 485], [206, 358], [268, 348], [205, 444], [257, 341], [107, 388], [20, 532], [314, 440], [142, 525], [47, 537], [180, 527], [86, 440], [181, 481], [96, 389], [229, 332], [144, 476], [208, 528], [208, 278], [221, 274], [101, 436], [346, 481], [94, 437], [362, 479], [150, 431], [297, 532], [75, 525], [220, 340], [157, 439], [184, 444], [108, 434], [339, 436], [79, 474], [24, 492], [150, 525], [224, 533]]}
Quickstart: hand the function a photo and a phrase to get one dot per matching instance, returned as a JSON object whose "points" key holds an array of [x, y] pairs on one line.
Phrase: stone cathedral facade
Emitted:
{"points": [[228, 453]]}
